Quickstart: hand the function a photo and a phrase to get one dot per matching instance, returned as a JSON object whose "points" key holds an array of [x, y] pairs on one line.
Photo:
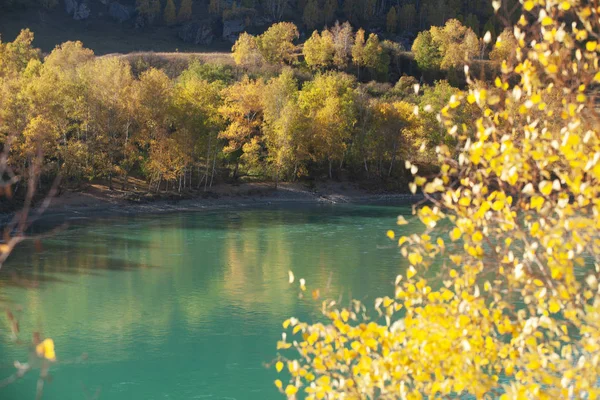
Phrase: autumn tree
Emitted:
{"points": [[328, 103], [393, 132], [275, 8], [504, 47], [214, 7], [407, 16], [445, 47], [149, 10], [284, 126], [319, 50], [242, 109], [456, 43], [154, 91], [343, 41], [245, 51], [185, 11], [312, 15], [358, 50], [196, 103], [170, 16], [374, 57], [276, 44], [391, 20], [15, 55], [509, 224], [108, 83], [329, 10]]}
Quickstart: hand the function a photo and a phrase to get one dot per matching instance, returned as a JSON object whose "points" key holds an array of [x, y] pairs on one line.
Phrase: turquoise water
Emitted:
{"points": [[187, 305]]}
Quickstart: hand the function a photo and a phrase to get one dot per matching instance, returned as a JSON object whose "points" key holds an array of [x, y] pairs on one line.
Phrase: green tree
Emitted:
{"points": [[427, 53], [374, 56]]}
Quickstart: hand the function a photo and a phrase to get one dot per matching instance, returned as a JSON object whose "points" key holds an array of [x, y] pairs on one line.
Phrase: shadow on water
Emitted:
{"points": [[252, 216]]}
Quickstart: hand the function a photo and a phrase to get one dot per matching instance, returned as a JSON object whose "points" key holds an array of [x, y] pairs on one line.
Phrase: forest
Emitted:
{"points": [[324, 109], [400, 19]]}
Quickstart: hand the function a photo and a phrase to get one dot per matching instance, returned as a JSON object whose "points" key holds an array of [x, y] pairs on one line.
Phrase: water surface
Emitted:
{"points": [[188, 305]]}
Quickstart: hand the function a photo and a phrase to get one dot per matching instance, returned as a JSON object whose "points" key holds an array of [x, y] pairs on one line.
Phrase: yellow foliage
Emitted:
{"points": [[522, 195]]}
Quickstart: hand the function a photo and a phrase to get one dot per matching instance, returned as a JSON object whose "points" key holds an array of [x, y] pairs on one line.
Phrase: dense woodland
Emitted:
{"points": [[399, 19], [284, 112]]}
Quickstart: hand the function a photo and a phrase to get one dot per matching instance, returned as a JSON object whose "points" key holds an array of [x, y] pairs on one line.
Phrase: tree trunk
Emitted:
{"points": [[235, 171], [330, 166], [212, 175], [207, 160], [366, 167], [124, 185], [393, 159]]}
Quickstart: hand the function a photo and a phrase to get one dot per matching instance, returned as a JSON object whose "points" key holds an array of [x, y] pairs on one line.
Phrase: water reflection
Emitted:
{"points": [[192, 303]]}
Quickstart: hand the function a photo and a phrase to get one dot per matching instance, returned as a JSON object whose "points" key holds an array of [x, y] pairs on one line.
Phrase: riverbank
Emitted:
{"points": [[98, 200]]}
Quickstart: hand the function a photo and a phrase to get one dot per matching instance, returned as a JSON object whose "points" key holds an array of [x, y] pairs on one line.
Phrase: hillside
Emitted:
{"points": [[101, 33]]}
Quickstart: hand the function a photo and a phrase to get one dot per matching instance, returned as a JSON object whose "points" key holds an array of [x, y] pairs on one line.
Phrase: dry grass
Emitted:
{"points": [[172, 63]]}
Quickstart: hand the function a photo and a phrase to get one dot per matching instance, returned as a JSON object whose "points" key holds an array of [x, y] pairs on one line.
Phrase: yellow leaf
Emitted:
{"points": [[410, 272], [537, 282], [477, 237], [536, 202], [279, 366], [547, 21], [545, 187], [415, 258], [46, 350], [591, 45], [291, 390], [401, 220], [528, 5], [498, 205], [278, 384], [553, 306], [345, 314], [565, 5], [391, 234], [455, 234]]}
